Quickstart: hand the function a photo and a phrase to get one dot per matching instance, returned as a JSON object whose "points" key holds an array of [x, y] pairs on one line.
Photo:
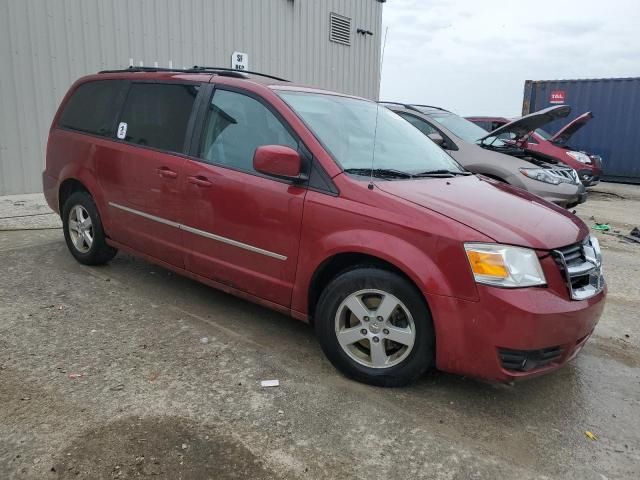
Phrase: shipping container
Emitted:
{"points": [[614, 131]]}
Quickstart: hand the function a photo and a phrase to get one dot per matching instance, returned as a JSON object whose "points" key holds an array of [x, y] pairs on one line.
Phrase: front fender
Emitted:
{"points": [[439, 267]]}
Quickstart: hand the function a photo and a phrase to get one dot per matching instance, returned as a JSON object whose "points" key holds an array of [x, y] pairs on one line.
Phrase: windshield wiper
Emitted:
{"points": [[442, 173], [379, 172]]}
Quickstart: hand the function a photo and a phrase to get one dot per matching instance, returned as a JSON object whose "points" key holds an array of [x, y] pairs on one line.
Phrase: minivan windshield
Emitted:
{"points": [[346, 127], [463, 128]]}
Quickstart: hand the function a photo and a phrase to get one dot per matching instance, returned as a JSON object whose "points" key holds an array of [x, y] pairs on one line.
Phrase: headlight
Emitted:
{"points": [[548, 176], [579, 156], [503, 265], [541, 175]]}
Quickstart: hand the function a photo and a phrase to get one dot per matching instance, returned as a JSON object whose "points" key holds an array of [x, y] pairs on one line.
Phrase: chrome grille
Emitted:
{"points": [[581, 265], [573, 254], [567, 175]]}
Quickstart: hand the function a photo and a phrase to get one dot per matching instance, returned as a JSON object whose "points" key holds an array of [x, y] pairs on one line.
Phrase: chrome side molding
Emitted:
{"points": [[202, 233]]}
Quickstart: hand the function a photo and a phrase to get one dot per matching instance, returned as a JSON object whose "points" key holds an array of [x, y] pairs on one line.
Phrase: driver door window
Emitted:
{"points": [[426, 128], [421, 125], [236, 126]]}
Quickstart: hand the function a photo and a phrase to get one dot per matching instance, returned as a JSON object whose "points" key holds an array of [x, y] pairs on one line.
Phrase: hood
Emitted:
{"points": [[506, 214], [564, 134], [523, 125]]}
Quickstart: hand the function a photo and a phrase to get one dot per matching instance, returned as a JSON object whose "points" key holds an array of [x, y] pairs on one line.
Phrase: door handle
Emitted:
{"points": [[166, 172], [200, 181]]}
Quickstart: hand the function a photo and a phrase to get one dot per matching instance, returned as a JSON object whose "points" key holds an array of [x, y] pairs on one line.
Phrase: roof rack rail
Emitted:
{"points": [[233, 70], [405, 105], [228, 72], [431, 106], [140, 69]]}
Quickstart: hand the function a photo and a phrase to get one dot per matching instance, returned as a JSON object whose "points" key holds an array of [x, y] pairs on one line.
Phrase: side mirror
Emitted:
{"points": [[436, 138], [278, 161]]}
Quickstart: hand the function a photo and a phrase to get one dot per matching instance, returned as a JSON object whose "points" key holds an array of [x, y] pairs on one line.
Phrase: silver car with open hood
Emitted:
{"points": [[496, 155]]}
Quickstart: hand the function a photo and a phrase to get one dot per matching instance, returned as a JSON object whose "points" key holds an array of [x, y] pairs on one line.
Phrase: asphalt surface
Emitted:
{"points": [[129, 371]]}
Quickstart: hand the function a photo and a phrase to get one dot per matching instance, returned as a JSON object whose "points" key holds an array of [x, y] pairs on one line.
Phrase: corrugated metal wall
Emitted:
{"points": [[614, 131], [47, 44]]}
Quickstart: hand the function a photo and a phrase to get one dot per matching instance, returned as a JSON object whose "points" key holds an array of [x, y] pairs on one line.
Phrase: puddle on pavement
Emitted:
{"points": [[164, 448]]}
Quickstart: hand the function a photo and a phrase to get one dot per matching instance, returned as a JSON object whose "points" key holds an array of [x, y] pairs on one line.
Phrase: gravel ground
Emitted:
{"points": [[130, 371]]}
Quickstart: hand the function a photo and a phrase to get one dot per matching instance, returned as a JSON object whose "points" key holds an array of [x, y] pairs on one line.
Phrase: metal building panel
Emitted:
{"points": [[46, 45], [613, 133]]}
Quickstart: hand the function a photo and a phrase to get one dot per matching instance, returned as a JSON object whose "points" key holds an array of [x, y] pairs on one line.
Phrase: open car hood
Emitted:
{"points": [[563, 135], [522, 126]]}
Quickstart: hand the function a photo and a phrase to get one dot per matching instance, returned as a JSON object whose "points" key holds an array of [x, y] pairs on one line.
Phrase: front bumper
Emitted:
{"points": [[589, 177], [472, 337], [582, 197], [565, 195]]}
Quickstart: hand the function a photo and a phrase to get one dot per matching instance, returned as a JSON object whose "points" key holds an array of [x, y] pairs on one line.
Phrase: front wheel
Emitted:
{"points": [[375, 327]]}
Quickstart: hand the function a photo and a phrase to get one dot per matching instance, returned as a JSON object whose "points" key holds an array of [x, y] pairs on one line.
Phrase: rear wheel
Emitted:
{"points": [[83, 230], [375, 327]]}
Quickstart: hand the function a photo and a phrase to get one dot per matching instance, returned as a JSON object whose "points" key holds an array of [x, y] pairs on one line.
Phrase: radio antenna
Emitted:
{"points": [[375, 130]]}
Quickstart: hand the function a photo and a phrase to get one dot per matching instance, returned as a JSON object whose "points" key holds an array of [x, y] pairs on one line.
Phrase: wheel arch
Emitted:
{"points": [[75, 178], [434, 265], [342, 262], [67, 188]]}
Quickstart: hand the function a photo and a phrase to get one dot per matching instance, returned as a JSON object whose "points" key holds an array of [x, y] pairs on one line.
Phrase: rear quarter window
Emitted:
{"points": [[156, 115], [92, 107]]}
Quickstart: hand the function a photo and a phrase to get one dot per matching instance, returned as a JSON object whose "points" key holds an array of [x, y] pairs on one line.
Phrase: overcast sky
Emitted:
{"points": [[473, 56]]}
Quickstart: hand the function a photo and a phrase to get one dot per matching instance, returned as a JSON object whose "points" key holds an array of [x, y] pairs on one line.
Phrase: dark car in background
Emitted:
{"points": [[488, 155], [588, 165]]}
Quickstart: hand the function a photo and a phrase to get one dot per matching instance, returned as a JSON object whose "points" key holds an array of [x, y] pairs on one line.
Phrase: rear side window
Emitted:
{"points": [[156, 115], [92, 107]]}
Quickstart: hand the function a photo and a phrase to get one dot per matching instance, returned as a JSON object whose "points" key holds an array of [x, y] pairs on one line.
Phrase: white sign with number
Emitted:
{"points": [[122, 130], [239, 61]]}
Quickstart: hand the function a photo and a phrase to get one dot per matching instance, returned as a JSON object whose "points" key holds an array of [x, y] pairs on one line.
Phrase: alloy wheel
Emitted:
{"points": [[80, 229], [375, 328]]}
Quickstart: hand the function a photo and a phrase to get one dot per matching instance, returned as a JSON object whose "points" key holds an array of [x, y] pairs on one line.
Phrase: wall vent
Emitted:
{"points": [[339, 29]]}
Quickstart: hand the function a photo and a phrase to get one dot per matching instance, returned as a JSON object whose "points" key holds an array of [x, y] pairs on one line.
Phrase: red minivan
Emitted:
{"points": [[328, 208]]}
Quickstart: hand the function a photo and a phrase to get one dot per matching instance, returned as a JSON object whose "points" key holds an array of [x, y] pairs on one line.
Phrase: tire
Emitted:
{"points": [[79, 214], [337, 323]]}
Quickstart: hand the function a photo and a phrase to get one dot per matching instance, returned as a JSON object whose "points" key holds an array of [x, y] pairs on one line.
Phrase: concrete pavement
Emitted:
{"points": [[104, 373]]}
